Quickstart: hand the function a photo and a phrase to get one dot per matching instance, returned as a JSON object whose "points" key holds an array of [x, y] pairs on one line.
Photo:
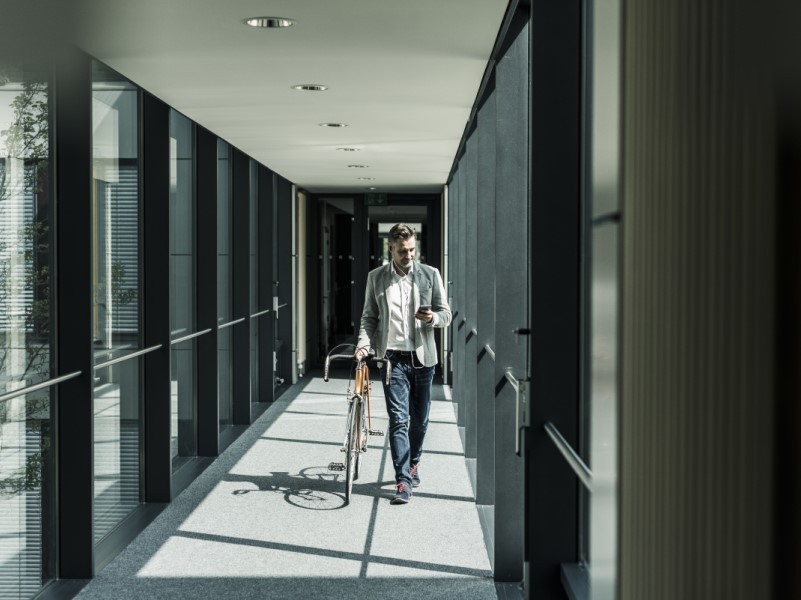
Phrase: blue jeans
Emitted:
{"points": [[408, 397]]}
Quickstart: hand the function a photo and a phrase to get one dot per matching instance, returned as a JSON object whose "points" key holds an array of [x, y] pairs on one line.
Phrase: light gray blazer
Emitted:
{"points": [[427, 289]]}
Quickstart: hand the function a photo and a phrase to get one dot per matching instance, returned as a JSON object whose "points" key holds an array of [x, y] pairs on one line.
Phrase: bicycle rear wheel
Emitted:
{"points": [[354, 413]]}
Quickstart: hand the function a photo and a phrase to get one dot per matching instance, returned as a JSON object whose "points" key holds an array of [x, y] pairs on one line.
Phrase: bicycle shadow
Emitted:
{"points": [[313, 488]]}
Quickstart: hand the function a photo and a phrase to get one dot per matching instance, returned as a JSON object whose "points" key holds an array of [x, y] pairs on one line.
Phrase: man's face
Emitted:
{"points": [[403, 252]]}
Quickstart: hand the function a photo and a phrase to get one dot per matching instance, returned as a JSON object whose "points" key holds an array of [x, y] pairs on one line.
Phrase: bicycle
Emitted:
{"points": [[358, 426]]}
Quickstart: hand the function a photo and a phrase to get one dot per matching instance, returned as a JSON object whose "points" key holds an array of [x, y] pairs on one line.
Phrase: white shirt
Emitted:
{"points": [[400, 299]]}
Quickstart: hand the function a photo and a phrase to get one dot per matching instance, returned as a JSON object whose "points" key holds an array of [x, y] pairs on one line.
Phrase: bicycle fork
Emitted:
{"points": [[363, 439]]}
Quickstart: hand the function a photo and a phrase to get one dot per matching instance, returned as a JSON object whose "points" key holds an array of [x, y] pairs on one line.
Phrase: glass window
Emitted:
{"points": [[24, 230], [27, 516], [182, 289], [116, 285], [599, 528], [224, 287]]}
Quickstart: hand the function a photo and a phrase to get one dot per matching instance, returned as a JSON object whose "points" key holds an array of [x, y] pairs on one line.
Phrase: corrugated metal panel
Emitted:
{"points": [[698, 341]]}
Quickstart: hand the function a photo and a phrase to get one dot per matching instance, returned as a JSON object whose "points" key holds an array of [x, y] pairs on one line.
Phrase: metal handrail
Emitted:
{"points": [[258, 314], [39, 386], [581, 470], [229, 323], [282, 305], [490, 351], [190, 336], [120, 359]]}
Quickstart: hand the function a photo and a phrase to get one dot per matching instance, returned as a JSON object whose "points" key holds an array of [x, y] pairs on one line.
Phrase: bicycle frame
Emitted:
{"points": [[361, 387]]}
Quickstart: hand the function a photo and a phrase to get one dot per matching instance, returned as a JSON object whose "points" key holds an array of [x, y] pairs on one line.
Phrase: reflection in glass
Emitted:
{"points": [[26, 495], [224, 288], [115, 213], [24, 230], [254, 281], [182, 288], [115, 279], [603, 459], [183, 423], [116, 444], [27, 521]]}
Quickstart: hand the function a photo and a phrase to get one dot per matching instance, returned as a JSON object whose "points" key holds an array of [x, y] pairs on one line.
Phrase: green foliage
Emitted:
{"points": [[27, 135]]}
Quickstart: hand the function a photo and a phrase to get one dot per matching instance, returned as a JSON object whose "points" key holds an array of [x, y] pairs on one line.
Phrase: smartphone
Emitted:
{"points": [[424, 307]]}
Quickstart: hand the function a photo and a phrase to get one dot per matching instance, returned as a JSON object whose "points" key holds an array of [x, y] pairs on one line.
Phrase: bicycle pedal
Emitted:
{"points": [[335, 466], [376, 432]]}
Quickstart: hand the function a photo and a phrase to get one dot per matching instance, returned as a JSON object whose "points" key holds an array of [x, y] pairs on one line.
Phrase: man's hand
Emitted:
{"points": [[361, 353], [424, 315]]}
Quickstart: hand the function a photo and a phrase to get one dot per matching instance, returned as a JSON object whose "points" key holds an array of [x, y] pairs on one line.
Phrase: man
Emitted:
{"points": [[403, 303]]}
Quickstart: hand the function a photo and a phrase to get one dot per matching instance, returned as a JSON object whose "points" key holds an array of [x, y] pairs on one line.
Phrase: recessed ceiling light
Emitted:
{"points": [[333, 124], [269, 22], [310, 87], [366, 178], [372, 188], [348, 149], [357, 166]]}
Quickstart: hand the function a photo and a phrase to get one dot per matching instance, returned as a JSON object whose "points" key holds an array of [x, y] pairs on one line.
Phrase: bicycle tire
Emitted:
{"points": [[359, 439], [352, 448], [364, 412]]}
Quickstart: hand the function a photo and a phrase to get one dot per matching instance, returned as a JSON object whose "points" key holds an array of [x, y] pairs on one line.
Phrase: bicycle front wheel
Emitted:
{"points": [[354, 420], [360, 439]]}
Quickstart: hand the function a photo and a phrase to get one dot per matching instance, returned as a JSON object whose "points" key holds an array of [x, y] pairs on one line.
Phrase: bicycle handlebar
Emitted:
{"points": [[331, 357]]}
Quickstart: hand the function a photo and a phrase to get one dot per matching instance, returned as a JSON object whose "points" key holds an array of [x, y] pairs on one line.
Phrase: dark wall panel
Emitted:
{"points": [[555, 254], [457, 291], [73, 151], [266, 323], [285, 260], [511, 290], [208, 409], [156, 222], [240, 180], [485, 304], [469, 258]]}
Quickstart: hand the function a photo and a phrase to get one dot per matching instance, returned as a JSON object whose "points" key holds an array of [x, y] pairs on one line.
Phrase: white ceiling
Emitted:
{"points": [[402, 74]]}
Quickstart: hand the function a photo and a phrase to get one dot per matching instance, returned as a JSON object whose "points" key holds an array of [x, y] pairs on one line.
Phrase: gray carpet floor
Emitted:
{"points": [[268, 519]]}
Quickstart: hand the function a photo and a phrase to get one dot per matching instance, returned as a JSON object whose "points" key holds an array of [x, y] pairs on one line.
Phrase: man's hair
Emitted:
{"points": [[399, 232]]}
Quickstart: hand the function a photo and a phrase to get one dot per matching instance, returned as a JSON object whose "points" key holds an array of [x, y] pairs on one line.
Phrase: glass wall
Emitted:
{"points": [[115, 296], [26, 468], [183, 396], [224, 284], [600, 527], [102, 403]]}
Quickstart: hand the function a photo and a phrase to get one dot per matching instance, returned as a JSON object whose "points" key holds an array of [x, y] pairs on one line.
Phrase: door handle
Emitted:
{"points": [[522, 412]]}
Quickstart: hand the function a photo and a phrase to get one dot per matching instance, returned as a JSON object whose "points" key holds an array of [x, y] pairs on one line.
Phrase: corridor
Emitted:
{"points": [[268, 520]]}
